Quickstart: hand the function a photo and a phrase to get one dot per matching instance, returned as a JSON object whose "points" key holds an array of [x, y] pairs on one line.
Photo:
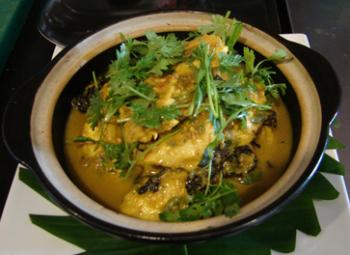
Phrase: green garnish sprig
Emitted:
{"points": [[229, 99], [221, 199], [135, 61], [119, 155]]}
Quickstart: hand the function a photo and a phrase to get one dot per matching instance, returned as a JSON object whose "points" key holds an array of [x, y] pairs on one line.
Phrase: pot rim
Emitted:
{"points": [[42, 144]]}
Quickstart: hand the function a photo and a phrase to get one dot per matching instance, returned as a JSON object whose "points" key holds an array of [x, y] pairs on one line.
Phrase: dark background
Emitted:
{"points": [[325, 22], [327, 25]]}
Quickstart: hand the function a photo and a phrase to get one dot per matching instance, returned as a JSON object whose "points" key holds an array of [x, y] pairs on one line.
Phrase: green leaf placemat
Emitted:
{"points": [[277, 233]]}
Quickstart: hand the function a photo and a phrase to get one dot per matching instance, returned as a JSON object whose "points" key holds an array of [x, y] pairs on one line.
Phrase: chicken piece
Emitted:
{"points": [[185, 149], [125, 112], [164, 87], [111, 134], [213, 41], [135, 133], [243, 135], [149, 205], [174, 87], [258, 95]]}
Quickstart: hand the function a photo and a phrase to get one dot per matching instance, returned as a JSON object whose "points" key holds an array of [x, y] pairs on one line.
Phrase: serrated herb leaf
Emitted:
{"points": [[83, 139], [119, 155], [229, 61], [153, 117], [94, 112], [251, 177], [221, 199], [275, 90], [249, 59], [228, 30], [234, 33], [279, 55], [219, 26]]}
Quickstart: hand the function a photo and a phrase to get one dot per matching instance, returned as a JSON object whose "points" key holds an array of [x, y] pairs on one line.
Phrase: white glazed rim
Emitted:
{"points": [[76, 57]]}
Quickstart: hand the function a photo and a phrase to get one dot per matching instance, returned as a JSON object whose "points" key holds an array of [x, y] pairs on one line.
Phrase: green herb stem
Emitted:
{"points": [[138, 93], [210, 165]]}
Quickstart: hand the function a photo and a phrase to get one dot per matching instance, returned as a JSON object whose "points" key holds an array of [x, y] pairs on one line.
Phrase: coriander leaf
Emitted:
{"points": [[198, 96], [170, 216], [251, 177], [168, 46], [276, 89], [229, 61], [279, 55], [160, 66], [231, 210], [218, 26], [126, 158], [163, 51], [236, 99], [229, 31], [112, 104], [249, 59], [83, 139], [143, 66], [118, 71], [221, 199], [95, 111], [264, 74], [119, 154], [234, 33], [205, 76], [154, 116], [112, 152]]}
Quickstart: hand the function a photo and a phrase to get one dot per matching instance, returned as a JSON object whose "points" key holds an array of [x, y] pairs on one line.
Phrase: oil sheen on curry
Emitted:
{"points": [[180, 130]]}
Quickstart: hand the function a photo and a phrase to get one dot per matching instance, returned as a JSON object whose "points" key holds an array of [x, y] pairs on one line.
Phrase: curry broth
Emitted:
{"points": [[273, 156], [109, 188]]}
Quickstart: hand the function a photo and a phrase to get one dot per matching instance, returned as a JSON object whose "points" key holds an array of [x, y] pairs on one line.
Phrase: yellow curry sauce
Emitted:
{"points": [[172, 160], [110, 189]]}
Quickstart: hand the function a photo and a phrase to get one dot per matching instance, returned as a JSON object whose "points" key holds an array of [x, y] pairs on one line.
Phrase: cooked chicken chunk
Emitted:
{"points": [[215, 43], [185, 149], [149, 205], [111, 134], [175, 87], [243, 135]]}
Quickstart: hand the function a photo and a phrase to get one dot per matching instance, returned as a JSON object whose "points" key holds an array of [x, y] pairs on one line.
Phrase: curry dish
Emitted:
{"points": [[180, 130]]}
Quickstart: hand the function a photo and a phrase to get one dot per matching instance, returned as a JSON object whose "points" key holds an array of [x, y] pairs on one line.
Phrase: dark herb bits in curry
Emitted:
{"points": [[180, 130]]}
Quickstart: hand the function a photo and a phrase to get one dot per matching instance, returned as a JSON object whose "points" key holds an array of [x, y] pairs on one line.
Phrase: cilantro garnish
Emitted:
{"points": [[118, 155], [94, 112], [224, 91], [228, 30], [153, 117], [221, 199]]}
